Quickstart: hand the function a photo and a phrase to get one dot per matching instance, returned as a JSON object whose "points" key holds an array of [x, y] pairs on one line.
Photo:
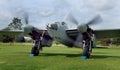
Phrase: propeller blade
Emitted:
{"points": [[26, 17], [79, 40], [79, 37], [95, 20], [28, 29], [69, 17]]}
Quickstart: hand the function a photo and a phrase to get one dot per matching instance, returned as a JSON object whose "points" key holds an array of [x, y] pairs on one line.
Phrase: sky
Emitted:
{"points": [[44, 12]]}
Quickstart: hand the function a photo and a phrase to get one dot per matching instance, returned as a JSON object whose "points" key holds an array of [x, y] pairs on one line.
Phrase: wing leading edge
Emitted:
{"points": [[72, 33], [111, 33]]}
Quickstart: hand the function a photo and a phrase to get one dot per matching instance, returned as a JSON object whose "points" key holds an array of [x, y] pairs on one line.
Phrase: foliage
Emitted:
{"points": [[15, 24], [109, 41], [116, 41], [7, 38], [106, 42]]}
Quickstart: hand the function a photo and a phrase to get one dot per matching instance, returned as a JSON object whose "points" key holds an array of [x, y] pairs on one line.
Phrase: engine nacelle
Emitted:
{"points": [[36, 35], [47, 42], [82, 28]]}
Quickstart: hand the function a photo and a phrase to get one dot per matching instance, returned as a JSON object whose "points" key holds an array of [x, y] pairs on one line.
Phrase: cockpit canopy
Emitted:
{"points": [[54, 26]]}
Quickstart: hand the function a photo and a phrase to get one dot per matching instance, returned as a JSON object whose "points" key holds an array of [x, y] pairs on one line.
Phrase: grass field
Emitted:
{"points": [[16, 57]]}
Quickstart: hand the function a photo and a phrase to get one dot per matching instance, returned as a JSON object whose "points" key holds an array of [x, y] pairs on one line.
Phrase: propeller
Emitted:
{"points": [[79, 40], [69, 17], [95, 20], [26, 17], [28, 28], [82, 27]]}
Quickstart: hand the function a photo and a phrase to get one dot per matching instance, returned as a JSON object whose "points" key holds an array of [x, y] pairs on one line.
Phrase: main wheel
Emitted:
{"points": [[35, 51]]}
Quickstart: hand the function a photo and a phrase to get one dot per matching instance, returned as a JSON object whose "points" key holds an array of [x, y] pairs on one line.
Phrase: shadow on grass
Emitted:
{"points": [[60, 54], [103, 56], [101, 47], [77, 55]]}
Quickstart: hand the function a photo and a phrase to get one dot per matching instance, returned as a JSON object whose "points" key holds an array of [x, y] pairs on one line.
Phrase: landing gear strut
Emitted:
{"points": [[88, 42], [36, 48], [35, 51], [87, 48]]}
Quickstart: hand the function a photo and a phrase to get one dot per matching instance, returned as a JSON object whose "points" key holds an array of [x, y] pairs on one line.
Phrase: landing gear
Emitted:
{"points": [[35, 51], [87, 48], [88, 38], [36, 48]]}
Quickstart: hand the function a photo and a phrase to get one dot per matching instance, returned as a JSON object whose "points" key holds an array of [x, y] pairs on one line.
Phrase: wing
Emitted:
{"points": [[72, 33], [111, 33], [46, 34], [39, 33], [43, 36]]}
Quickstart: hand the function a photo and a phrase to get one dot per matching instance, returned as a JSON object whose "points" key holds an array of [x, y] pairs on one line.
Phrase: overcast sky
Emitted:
{"points": [[43, 12]]}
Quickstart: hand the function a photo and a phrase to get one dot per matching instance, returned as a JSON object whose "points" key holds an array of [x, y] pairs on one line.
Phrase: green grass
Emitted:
{"points": [[16, 57]]}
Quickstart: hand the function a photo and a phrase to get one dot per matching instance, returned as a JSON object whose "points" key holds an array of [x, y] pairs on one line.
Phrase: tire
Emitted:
{"points": [[86, 52], [35, 51]]}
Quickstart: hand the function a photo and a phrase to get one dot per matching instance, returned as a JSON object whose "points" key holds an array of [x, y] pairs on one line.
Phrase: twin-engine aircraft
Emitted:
{"points": [[81, 37]]}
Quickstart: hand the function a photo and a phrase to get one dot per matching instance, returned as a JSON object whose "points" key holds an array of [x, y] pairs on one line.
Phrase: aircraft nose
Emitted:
{"points": [[28, 29]]}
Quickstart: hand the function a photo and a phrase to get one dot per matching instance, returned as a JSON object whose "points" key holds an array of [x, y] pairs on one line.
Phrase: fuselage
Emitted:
{"points": [[58, 32]]}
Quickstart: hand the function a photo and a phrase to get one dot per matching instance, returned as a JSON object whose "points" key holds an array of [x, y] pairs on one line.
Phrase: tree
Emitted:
{"points": [[106, 42], [116, 41], [15, 24]]}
